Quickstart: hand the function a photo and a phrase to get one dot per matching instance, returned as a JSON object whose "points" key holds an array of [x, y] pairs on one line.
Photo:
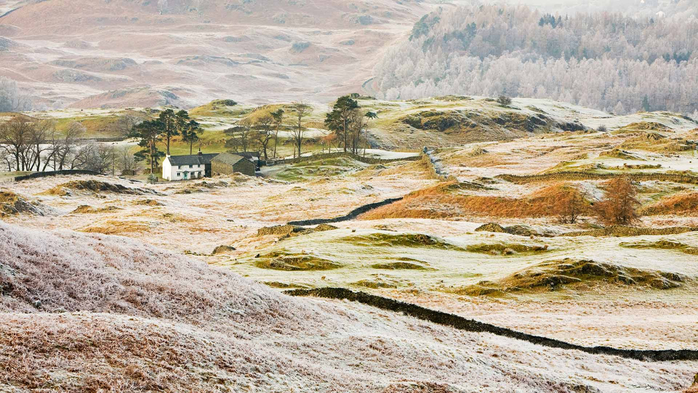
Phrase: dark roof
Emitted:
{"points": [[249, 154], [197, 159], [229, 159]]}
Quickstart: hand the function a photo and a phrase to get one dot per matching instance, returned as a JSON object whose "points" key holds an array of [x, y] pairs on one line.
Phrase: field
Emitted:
{"points": [[478, 240]]}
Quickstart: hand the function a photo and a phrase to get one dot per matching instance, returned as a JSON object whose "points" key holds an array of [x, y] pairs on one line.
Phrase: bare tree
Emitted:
{"points": [[15, 136], [38, 138], [241, 136], [125, 124], [65, 148], [278, 116], [126, 161], [301, 111], [264, 135], [95, 157]]}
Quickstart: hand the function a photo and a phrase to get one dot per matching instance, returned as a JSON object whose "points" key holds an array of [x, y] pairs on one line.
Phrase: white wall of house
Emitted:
{"points": [[185, 172]]}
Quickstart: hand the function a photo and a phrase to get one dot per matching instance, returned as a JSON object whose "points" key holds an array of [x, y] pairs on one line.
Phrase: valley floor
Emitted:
{"points": [[633, 290]]}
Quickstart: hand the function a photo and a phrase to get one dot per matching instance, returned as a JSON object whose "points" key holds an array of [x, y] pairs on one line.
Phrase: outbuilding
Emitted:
{"points": [[227, 164]]}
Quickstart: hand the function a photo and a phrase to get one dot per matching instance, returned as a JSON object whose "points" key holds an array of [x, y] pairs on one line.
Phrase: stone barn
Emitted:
{"points": [[227, 164]]}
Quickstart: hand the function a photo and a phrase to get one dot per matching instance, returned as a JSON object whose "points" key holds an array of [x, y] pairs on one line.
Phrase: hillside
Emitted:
{"points": [[613, 62], [214, 331], [147, 53]]}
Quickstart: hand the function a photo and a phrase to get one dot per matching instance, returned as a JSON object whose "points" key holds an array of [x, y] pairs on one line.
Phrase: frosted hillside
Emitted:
{"points": [[88, 312]]}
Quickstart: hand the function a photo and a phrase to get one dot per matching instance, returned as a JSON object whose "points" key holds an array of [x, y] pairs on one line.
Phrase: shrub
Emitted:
{"points": [[504, 100]]}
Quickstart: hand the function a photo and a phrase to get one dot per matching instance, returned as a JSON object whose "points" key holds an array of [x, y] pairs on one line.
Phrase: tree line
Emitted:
{"points": [[601, 60], [347, 122], [34, 145]]}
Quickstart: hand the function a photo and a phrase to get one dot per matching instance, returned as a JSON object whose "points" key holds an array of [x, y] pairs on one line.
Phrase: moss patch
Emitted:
{"points": [[560, 274], [400, 240], [403, 264], [663, 245], [374, 284], [506, 249], [295, 262]]}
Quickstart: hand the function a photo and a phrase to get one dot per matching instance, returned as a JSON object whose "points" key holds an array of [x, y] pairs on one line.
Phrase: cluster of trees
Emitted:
{"points": [[619, 207], [32, 145], [257, 131], [167, 125], [348, 123], [11, 99], [601, 60]]}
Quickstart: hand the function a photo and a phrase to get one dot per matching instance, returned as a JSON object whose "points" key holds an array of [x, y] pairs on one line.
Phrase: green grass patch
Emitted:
{"points": [[403, 264], [663, 245], [330, 167]]}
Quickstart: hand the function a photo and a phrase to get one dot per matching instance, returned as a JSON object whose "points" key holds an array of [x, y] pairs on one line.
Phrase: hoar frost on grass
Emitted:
{"points": [[149, 319]]}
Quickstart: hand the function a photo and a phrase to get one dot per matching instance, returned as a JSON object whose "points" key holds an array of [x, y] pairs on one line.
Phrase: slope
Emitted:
{"points": [[89, 312]]}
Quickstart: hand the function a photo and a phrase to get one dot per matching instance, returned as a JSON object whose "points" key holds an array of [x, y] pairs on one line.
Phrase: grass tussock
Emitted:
{"points": [[568, 273], [622, 231], [400, 240], [403, 264], [506, 249], [95, 186], [375, 284], [685, 204], [85, 209], [663, 245], [444, 201], [281, 260], [149, 202]]}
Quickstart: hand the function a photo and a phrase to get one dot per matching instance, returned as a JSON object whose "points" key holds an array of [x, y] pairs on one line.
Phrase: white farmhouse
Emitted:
{"points": [[187, 167]]}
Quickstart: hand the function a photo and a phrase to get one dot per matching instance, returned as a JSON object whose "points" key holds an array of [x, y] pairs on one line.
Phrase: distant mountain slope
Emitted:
{"points": [[192, 51], [605, 61]]}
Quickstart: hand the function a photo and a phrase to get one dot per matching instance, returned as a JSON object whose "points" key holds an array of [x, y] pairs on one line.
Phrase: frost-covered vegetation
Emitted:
{"points": [[606, 61], [11, 98], [90, 313]]}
